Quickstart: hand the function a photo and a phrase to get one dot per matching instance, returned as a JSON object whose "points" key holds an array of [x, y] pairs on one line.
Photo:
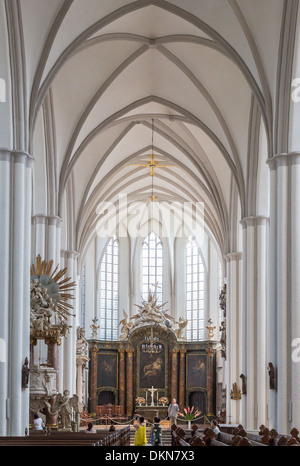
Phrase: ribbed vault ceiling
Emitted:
{"points": [[111, 67]]}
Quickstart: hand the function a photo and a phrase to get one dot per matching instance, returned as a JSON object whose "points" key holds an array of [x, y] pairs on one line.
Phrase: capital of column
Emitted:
{"points": [[233, 256], [70, 254], [16, 156], [254, 221], [51, 219], [283, 159]]}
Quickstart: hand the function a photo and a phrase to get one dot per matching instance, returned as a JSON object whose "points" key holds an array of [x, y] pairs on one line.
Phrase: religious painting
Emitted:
{"points": [[196, 371], [152, 369], [107, 370]]}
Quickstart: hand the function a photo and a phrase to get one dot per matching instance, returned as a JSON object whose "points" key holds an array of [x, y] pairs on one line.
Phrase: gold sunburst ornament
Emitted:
{"points": [[50, 292]]}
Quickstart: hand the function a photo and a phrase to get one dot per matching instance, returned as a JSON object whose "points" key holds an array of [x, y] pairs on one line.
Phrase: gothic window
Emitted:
{"points": [[109, 292], [195, 292], [152, 265]]}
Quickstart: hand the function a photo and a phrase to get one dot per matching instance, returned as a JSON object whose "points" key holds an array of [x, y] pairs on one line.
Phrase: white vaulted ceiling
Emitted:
{"points": [[111, 66]]}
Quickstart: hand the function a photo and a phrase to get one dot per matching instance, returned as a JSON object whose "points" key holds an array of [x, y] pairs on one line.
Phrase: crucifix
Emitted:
{"points": [[152, 391]]}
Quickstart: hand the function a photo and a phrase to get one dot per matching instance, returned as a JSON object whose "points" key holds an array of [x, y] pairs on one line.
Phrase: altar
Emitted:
{"points": [[150, 412], [150, 365]]}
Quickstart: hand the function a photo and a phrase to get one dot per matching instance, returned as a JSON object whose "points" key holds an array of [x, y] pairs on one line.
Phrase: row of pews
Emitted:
{"points": [[119, 438], [234, 436]]}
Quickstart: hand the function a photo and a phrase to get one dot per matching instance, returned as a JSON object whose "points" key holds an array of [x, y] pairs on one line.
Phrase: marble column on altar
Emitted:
{"points": [[181, 400], [93, 379], [129, 382], [122, 379], [210, 383], [174, 374]]}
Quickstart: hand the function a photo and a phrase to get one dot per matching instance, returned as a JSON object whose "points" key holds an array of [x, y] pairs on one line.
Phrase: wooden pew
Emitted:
{"points": [[120, 437]]}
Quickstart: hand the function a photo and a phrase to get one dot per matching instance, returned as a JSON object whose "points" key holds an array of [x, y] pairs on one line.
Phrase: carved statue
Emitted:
{"points": [[49, 307], [272, 376], [244, 385], [126, 326], [65, 405], [81, 343], [210, 329], [150, 312], [222, 298], [25, 374], [182, 323], [94, 328], [222, 328], [235, 393]]}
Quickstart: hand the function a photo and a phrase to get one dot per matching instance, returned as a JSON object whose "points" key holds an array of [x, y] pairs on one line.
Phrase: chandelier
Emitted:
{"points": [[151, 344]]}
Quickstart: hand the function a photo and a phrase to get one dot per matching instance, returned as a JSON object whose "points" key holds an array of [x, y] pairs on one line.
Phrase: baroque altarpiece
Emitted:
{"points": [[151, 364]]}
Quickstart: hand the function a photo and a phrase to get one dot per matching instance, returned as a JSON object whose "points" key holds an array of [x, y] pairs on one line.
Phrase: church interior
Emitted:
{"points": [[150, 234]]}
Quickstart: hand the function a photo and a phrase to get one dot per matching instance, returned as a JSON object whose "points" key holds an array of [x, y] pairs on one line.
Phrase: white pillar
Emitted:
{"points": [[69, 362], [295, 287], [255, 230], [233, 336], [5, 199], [272, 311], [15, 204], [284, 289]]}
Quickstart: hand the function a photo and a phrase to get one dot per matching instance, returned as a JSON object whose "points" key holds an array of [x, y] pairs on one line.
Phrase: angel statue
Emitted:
{"points": [[126, 326], [65, 405], [182, 323]]}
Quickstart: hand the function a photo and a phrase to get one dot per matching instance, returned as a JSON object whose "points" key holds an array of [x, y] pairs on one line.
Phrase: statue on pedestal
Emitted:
{"points": [[66, 405]]}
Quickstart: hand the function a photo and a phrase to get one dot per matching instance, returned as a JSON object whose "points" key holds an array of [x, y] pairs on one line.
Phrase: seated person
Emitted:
{"points": [[215, 428], [38, 422], [90, 429]]}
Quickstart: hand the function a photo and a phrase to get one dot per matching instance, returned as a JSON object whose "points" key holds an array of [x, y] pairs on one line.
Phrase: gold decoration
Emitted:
{"points": [[235, 393], [49, 306]]}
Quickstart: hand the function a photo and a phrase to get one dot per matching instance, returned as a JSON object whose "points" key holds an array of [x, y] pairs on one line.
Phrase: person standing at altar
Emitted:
{"points": [[173, 412], [155, 434], [140, 438]]}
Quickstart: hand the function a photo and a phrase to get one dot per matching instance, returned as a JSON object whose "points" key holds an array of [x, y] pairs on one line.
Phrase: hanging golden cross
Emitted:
{"points": [[152, 164]]}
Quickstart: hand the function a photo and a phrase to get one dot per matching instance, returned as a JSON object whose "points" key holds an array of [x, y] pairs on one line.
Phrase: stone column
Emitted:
{"points": [[174, 374], [233, 333], [182, 379], [210, 383], [81, 362], [255, 230], [129, 382], [284, 285], [53, 359], [284, 289], [295, 288], [93, 380], [69, 364], [122, 379], [15, 209]]}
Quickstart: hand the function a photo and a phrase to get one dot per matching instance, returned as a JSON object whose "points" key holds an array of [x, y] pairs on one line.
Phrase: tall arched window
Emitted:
{"points": [[152, 265], [109, 292], [195, 292]]}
